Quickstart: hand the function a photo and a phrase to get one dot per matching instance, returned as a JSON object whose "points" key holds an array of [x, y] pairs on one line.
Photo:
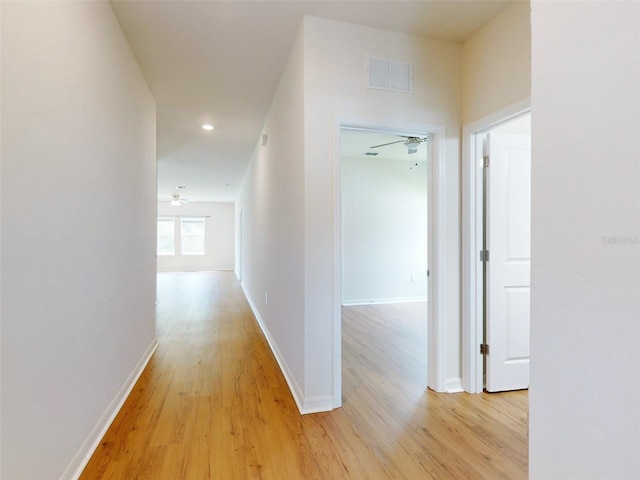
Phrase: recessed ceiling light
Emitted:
{"points": [[207, 126]]}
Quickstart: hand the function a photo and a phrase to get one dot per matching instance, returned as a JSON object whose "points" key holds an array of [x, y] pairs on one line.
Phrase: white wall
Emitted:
{"points": [[219, 237], [78, 222], [585, 278], [271, 200], [384, 230], [496, 68], [288, 195], [335, 57]]}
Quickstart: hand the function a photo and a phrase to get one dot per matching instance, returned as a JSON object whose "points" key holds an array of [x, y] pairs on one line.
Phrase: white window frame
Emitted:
{"points": [[173, 224], [183, 220]]}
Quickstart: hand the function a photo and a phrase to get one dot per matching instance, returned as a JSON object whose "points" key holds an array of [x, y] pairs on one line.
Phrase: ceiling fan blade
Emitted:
{"points": [[182, 200], [385, 144]]}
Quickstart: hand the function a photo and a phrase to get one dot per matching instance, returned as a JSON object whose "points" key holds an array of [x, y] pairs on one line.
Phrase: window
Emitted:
{"points": [[192, 236], [166, 236]]}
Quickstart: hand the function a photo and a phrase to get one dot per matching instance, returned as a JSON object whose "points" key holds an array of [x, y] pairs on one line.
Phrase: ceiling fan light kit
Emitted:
{"points": [[411, 143], [176, 200]]}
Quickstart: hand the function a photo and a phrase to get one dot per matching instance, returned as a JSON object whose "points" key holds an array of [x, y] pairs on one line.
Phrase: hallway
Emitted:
{"points": [[212, 404]]}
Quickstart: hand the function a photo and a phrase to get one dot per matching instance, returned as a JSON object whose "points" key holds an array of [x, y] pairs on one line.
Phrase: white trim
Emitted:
{"points": [[295, 389], [437, 284], [472, 286], [437, 246], [382, 301], [336, 292], [454, 385], [79, 462], [194, 269], [305, 405], [238, 267], [319, 404]]}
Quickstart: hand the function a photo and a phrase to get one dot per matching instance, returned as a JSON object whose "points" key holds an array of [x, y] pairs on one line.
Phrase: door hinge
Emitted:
{"points": [[484, 349], [484, 255], [485, 161]]}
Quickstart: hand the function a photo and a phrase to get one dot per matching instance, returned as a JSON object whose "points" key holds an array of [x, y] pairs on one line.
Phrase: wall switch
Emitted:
{"points": [[266, 299]]}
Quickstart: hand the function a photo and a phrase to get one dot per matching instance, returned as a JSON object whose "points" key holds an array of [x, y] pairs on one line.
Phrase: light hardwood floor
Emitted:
{"points": [[212, 403]]}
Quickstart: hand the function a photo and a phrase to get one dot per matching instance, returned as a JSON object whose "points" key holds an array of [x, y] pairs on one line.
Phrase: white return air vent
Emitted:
{"points": [[390, 75]]}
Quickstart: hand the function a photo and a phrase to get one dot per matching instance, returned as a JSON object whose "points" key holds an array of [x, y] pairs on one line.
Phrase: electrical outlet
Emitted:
{"points": [[418, 278]]}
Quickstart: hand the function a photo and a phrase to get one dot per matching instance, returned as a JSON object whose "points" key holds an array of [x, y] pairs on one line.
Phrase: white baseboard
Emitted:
{"points": [[190, 269], [79, 462], [382, 301], [453, 385], [296, 391], [323, 403], [305, 405]]}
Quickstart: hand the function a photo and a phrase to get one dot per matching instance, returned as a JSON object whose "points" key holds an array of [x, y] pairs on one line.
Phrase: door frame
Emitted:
{"points": [[472, 240], [239, 246], [436, 251]]}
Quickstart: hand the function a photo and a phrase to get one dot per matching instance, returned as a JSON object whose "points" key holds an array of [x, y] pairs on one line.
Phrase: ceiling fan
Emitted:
{"points": [[411, 143], [177, 200]]}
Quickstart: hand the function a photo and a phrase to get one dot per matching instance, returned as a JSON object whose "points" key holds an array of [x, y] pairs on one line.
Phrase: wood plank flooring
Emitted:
{"points": [[212, 403]]}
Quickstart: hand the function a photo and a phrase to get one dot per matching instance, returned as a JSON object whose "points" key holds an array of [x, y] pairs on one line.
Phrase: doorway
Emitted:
{"points": [[384, 245], [506, 256], [240, 246], [437, 254], [496, 246], [384, 218]]}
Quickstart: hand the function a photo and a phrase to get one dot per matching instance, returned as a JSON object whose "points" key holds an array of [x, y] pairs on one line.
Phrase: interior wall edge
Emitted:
{"points": [[305, 405], [79, 462]]}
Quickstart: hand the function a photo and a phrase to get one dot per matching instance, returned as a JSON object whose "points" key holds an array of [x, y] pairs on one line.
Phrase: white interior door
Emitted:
{"points": [[508, 268]]}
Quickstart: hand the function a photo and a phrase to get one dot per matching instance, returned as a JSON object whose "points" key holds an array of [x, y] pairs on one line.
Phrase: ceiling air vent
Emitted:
{"points": [[390, 75]]}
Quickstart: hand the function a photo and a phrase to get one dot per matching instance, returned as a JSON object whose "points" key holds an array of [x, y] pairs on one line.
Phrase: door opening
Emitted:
{"points": [[384, 244], [476, 247], [240, 247], [507, 254], [436, 257]]}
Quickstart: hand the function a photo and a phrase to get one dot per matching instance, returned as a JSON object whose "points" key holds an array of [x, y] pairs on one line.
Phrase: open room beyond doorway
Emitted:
{"points": [[384, 240]]}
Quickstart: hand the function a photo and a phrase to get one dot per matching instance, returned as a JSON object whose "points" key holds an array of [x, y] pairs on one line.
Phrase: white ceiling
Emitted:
{"points": [[220, 62]]}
